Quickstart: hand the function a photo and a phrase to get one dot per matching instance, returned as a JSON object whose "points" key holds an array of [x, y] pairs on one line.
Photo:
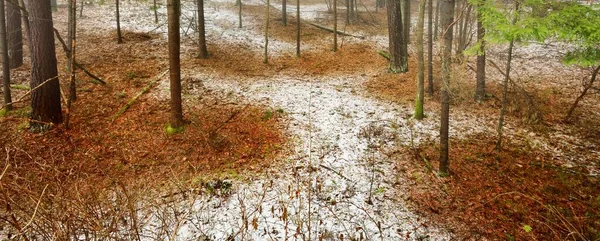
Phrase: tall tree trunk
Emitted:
{"points": [[45, 99], [240, 14], [5, 60], [81, 9], [580, 97], [202, 30], [284, 12], [446, 21], [72, 33], [155, 8], [173, 13], [266, 55], [14, 35], [421, 63], [119, 37], [25, 21], [348, 12], [430, 48], [398, 55], [406, 21], [480, 88], [335, 35], [462, 39], [505, 83], [297, 28], [436, 21]]}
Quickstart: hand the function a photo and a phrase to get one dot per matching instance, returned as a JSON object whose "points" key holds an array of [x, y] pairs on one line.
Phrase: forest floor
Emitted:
{"points": [[317, 147]]}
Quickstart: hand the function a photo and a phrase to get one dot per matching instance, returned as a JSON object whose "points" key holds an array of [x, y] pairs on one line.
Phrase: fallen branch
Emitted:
{"points": [[28, 92], [145, 90], [66, 49]]}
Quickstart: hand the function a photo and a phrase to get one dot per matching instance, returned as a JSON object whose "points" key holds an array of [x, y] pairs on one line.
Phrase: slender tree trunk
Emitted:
{"points": [[25, 21], [398, 55], [421, 63], [173, 13], [72, 33], [298, 28], [348, 12], [72, 36], [14, 35], [45, 100], [81, 9], [202, 30], [446, 21], [119, 37], [480, 88], [505, 84], [406, 21], [5, 60], [462, 39], [240, 14], [436, 21], [580, 97], [266, 55], [430, 48], [284, 12], [155, 8], [335, 35]]}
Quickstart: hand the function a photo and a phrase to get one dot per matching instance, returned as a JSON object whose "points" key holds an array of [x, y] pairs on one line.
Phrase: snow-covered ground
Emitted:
{"points": [[335, 179]]}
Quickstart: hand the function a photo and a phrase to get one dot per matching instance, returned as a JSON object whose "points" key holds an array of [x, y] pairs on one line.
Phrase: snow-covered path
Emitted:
{"points": [[335, 167]]}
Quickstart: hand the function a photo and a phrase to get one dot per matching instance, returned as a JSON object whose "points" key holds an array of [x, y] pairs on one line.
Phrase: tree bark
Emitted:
{"points": [[421, 63], [119, 37], [436, 21], [284, 12], [202, 30], [335, 32], [505, 84], [430, 48], [398, 55], [25, 21], [155, 8], [54, 6], [298, 28], [406, 21], [347, 12], [5, 60], [266, 54], [240, 14], [446, 21], [45, 100], [173, 8], [71, 57], [14, 35], [480, 76]]}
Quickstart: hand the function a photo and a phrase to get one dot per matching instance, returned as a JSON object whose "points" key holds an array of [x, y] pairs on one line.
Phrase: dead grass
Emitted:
{"points": [[502, 195]]}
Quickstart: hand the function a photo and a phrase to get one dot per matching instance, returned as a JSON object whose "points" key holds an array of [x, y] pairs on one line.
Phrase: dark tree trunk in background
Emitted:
{"points": [[202, 30], [25, 20], [284, 12], [14, 35], [406, 20], [335, 35], [71, 37], [119, 37], [297, 28], [348, 12], [5, 63], [480, 87], [155, 8], [446, 21], [430, 48], [266, 53], [173, 8], [436, 22], [398, 55], [45, 100]]}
